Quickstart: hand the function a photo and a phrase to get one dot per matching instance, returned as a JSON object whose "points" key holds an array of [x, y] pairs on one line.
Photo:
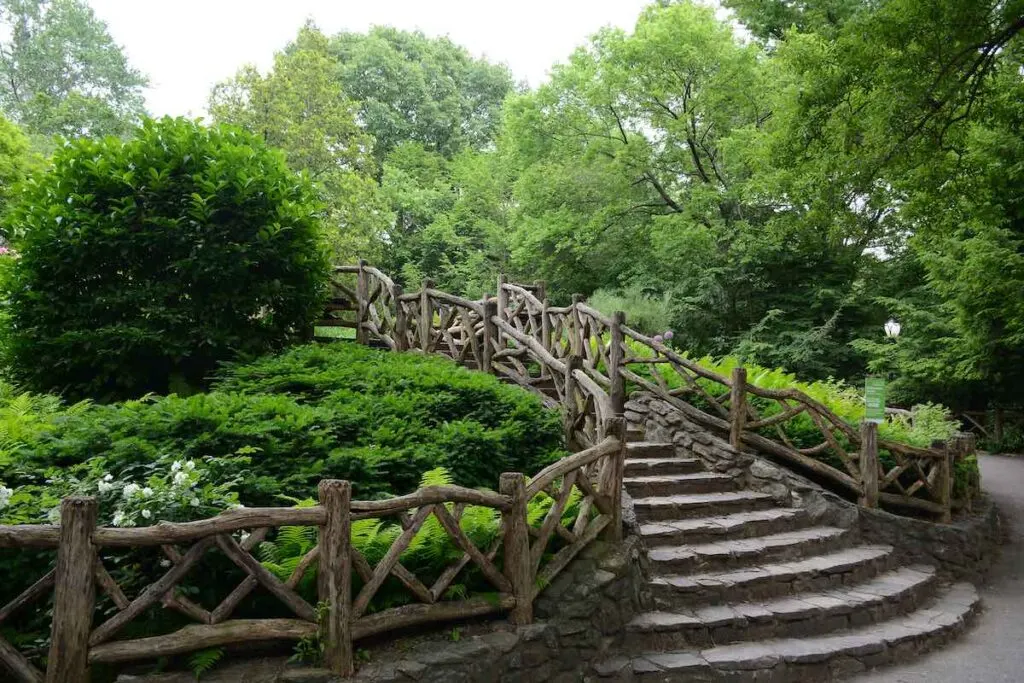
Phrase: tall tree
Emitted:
{"points": [[62, 74], [299, 107], [411, 88]]}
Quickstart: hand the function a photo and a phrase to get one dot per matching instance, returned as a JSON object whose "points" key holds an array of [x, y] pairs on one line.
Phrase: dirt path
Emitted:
{"points": [[993, 651]]}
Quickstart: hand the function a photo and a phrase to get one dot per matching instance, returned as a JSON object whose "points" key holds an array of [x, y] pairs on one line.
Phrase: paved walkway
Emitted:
{"points": [[992, 651]]}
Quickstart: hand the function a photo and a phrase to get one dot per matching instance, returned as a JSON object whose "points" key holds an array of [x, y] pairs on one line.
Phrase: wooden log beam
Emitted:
{"points": [[517, 568], [335, 577]]}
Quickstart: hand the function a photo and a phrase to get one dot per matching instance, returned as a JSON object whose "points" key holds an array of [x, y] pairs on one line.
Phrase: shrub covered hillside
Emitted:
{"points": [[270, 430]]}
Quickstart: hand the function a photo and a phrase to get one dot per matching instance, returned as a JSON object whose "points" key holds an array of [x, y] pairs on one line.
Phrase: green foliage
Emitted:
{"points": [[339, 411], [204, 660], [301, 108], [645, 313], [62, 74], [144, 264], [411, 88], [15, 160]]}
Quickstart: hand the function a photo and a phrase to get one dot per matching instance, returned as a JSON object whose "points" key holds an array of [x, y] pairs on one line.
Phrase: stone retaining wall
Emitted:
{"points": [[580, 620], [964, 549]]}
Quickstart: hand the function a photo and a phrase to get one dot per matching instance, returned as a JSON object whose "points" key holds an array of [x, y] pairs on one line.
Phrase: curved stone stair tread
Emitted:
{"points": [[837, 562], [736, 525], [663, 466], [641, 449], [690, 504], [677, 478], [874, 644], [891, 588], [800, 541], [674, 484]]}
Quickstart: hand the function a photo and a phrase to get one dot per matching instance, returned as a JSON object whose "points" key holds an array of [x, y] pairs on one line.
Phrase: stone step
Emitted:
{"points": [[699, 505], [662, 466], [840, 568], [814, 658], [743, 552], [805, 614], [635, 434], [736, 525], [674, 484], [650, 449]]}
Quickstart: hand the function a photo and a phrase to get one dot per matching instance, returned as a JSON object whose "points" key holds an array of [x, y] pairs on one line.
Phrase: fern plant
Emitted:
{"points": [[204, 660]]}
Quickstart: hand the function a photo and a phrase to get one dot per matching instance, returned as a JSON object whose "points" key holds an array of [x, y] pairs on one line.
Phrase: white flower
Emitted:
{"points": [[189, 466], [147, 514], [165, 563], [104, 486], [180, 478], [118, 518], [194, 502], [175, 466], [242, 538], [5, 496], [54, 515], [130, 490], [108, 477], [147, 492]]}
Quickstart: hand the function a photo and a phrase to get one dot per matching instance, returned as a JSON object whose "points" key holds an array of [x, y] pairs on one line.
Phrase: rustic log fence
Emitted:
{"points": [[583, 361], [530, 557]]}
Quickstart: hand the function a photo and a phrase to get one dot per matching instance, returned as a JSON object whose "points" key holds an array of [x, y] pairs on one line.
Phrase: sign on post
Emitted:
{"points": [[874, 399]]}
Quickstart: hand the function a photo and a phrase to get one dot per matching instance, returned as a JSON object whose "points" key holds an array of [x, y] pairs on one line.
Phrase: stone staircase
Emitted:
{"points": [[741, 589]]}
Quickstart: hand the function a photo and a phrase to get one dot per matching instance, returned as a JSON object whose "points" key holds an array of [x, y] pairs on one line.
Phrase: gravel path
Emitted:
{"points": [[992, 651]]}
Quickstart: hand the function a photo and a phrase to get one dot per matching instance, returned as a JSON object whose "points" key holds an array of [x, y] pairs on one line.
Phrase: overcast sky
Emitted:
{"points": [[186, 46]]}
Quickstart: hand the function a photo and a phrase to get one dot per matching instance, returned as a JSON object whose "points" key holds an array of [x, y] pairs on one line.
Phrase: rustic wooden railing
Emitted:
{"points": [[522, 559], [583, 361]]}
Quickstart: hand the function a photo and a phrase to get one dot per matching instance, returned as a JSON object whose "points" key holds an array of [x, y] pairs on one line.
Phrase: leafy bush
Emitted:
{"points": [[336, 411], [145, 263]]}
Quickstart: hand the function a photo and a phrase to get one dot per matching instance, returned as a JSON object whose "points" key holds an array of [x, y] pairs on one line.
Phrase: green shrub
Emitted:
{"points": [[145, 263], [336, 411]]}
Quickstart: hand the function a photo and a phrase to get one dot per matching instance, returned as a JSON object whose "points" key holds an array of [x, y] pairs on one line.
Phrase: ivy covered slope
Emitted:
{"points": [[270, 430]]}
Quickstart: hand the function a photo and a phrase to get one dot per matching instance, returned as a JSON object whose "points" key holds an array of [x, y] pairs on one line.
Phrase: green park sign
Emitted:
{"points": [[874, 399]]}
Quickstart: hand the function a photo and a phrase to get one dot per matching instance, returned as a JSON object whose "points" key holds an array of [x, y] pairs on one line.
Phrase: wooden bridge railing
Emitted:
{"points": [[521, 560], [535, 345]]}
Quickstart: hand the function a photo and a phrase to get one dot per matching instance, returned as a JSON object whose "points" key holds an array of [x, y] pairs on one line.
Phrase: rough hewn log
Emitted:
{"points": [[426, 320], [869, 464], [18, 664], [335, 577], [570, 409], [250, 564], [401, 330], [74, 593], [109, 586], [151, 594], [464, 544], [29, 535], [362, 301], [615, 355], [490, 333], [226, 522], [428, 496], [573, 462], [737, 407], [944, 484], [615, 469], [564, 556], [28, 595], [200, 637], [413, 615], [517, 568], [388, 562], [228, 604]]}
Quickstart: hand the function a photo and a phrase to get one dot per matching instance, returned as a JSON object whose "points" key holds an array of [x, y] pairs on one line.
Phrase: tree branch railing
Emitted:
{"points": [[579, 497], [533, 344]]}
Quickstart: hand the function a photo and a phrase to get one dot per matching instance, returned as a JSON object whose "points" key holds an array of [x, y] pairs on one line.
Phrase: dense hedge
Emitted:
{"points": [[337, 411], [145, 263]]}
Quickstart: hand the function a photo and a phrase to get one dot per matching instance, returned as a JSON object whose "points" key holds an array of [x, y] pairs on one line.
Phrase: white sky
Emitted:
{"points": [[186, 46]]}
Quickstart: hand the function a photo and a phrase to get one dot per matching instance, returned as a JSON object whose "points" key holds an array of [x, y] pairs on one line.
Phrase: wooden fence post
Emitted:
{"points": [[542, 289], [737, 407], [74, 593], [334, 581], [426, 315], [517, 567], [502, 308], [490, 333], [964, 444], [869, 464], [945, 484], [576, 326], [545, 330], [615, 356], [616, 467], [572, 363], [363, 302], [401, 330]]}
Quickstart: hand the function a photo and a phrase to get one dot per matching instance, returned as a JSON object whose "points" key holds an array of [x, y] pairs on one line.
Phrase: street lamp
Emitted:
{"points": [[892, 329]]}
